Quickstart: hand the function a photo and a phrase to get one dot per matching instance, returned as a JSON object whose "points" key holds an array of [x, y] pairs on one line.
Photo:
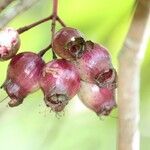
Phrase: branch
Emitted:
{"points": [[30, 26], [54, 13], [61, 22], [15, 10], [4, 4], [129, 78], [26, 28], [43, 51], [53, 26]]}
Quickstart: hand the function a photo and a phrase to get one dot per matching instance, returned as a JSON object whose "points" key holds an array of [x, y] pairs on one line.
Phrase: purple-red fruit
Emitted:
{"points": [[23, 75], [9, 43], [60, 82], [100, 100], [68, 43], [95, 66]]}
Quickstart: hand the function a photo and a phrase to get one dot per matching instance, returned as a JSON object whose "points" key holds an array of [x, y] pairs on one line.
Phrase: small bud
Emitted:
{"points": [[9, 43]]}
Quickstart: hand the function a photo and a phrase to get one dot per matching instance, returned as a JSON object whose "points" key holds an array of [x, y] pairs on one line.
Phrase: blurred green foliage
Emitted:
{"points": [[31, 126]]}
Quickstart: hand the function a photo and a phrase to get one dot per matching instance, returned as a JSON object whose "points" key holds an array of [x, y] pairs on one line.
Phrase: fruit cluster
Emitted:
{"points": [[84, 68]]}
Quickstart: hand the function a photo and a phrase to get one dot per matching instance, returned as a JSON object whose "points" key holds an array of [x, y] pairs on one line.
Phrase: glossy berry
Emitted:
{"points": [[23, 75], [100, 100], [95, 65], [60, 82], [9, 43], [68, 43]]}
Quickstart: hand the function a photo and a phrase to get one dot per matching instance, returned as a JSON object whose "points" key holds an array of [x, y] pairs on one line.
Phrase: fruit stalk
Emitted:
{"points": [[26, 28], [43, 51], [54, 14], [30, 26], [61, 21]]}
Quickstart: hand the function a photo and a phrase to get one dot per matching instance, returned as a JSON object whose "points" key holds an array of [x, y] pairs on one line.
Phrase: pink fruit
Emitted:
{"points": [[95, 65], [68, 43], [60, 82], [23, 75], [100, 100], [9, 43]]}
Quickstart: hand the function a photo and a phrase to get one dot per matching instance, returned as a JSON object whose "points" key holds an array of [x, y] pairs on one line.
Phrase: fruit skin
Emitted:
{"points": [[95, 65], [60, 82], [23, 75], [100, 100], [9, 43], [68, 43]]}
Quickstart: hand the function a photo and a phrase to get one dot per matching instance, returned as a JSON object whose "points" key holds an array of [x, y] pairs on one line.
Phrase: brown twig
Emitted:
{"points": [[54, 13], [28, 27], [129, 79], [25, 28], [43, 51], [54, 18], [61, 22]]}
